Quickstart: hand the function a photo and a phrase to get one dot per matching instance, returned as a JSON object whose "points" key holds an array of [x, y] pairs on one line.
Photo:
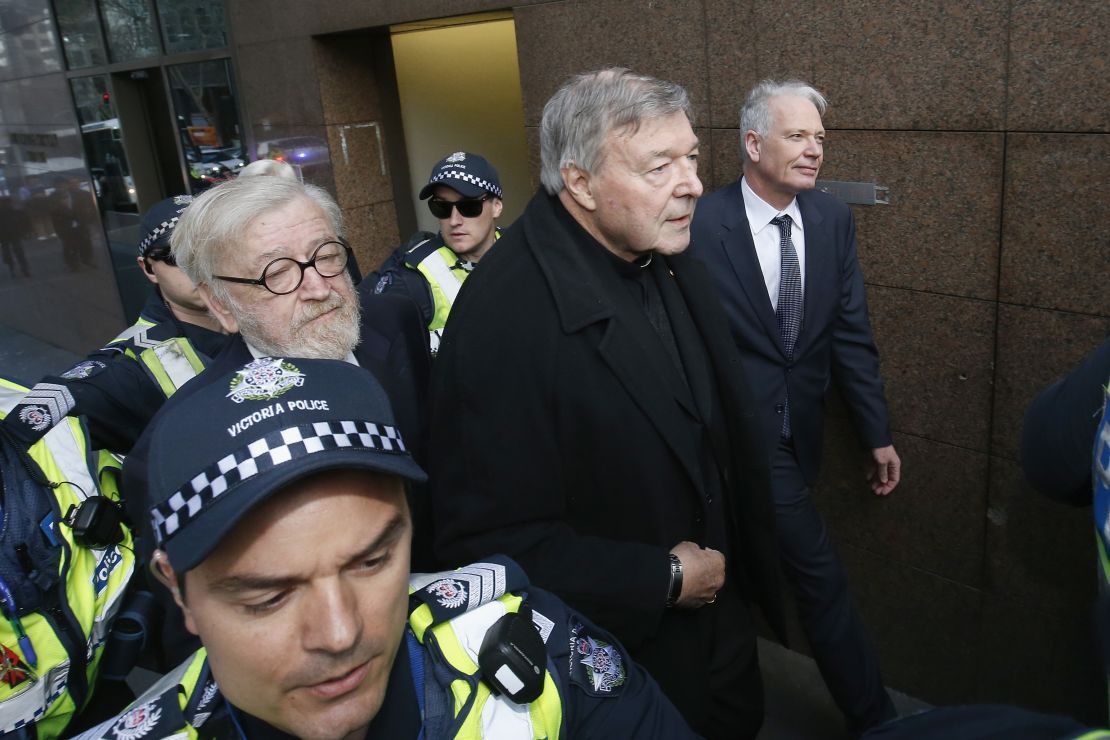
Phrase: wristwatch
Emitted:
{"points": [[676, 581]]}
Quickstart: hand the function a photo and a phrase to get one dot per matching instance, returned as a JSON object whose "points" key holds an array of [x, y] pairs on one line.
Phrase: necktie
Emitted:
{"points": [[789, 311]]}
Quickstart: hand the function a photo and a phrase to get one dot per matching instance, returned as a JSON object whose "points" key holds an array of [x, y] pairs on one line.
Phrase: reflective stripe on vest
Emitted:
{"points": [[486, 715], [172, 363], [95, 581], [445, 284], [129, 333]]}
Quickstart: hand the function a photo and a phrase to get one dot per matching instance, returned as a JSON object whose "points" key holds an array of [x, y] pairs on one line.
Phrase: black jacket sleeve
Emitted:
{"points": [[1059, 430]]}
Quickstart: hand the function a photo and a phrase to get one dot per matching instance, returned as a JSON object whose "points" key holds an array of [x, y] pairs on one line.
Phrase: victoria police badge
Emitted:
{"points": [[264, 379], [448, 592], [456, 157], [594, 663]]}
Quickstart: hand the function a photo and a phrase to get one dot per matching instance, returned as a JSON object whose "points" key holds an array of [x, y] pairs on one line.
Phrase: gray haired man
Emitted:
{"points": [[591, 417]]}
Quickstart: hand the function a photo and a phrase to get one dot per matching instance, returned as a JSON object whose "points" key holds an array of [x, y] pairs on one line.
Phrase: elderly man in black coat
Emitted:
{"points": [[590, 416]]}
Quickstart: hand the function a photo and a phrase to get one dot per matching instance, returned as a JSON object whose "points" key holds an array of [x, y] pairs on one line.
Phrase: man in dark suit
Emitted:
{"points": [[591, 417], [783, 257]]}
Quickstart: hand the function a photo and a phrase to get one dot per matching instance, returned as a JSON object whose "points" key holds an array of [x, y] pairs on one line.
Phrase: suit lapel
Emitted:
{"points": [[739, 249], [820, 259]]}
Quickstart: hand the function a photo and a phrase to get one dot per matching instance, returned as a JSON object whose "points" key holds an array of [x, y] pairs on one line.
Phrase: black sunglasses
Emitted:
{"points": [[468, 207]]}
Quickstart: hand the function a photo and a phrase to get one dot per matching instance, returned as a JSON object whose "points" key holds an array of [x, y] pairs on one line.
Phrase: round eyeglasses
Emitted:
{"points": [[285, 274]]}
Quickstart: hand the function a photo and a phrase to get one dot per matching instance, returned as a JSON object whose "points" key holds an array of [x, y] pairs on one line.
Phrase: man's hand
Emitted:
{"points": [[885, 470], [703, 574]]}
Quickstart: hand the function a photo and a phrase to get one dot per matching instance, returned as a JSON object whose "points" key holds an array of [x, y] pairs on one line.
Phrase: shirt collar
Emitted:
{"points": [[760, 212], [256, 354]]}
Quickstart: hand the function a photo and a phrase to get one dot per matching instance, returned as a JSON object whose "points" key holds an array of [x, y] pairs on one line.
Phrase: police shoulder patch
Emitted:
{"points": [[85, 369], [596, 664], [159, 717]]}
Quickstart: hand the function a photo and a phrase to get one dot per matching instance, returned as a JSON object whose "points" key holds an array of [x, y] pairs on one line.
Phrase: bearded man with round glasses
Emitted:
{"points": [[269, 258], [464, 193]]}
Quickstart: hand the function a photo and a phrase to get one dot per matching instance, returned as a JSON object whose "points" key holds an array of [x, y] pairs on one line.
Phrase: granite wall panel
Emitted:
{"points": [[936, 355], [1040, 589], [560, 39], [1059, 75], [933, 66], [373, 233], [926, 66], [1055, 244], [348, 83], [1042, 657], [1040, 552], [933, 520], [359, 163], [926, 627], [1035, 346], [750, 41], [940, 232]]}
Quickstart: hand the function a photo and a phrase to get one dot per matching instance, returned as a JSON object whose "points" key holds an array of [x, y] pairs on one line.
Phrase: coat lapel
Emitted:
{"points": [[587, 291]]}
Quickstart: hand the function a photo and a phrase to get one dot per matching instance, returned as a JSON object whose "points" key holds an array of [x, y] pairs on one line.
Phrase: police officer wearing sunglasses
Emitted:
{"points": [[464, 193]]}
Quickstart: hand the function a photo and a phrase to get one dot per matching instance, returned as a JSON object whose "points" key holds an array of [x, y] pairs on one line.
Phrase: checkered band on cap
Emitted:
{"points": [[156, 233], [453, 174], [262, 455]]}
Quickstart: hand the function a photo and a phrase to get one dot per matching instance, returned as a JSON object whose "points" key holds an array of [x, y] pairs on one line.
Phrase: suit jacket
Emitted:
{"points": [[557, 435], [835, 340]]}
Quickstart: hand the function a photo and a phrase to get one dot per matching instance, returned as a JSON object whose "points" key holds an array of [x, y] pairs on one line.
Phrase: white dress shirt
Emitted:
{"points": [[766, 237], [256, 354]]}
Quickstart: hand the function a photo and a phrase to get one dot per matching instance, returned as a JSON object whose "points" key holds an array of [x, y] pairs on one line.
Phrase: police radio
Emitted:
{"points": [[513, 657]]}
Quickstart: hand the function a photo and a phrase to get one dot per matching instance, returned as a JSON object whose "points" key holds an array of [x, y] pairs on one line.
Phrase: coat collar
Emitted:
{"points": [[578, 278]]}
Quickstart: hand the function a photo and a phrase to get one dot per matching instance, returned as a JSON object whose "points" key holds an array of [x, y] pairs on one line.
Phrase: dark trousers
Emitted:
{"points": [[841, 646], [705, 661]]}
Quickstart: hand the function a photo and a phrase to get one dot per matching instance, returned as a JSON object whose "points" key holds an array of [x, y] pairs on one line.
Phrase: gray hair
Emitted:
{"points": [[274, 167], [217, 221], [755, 115], [585, 110]]}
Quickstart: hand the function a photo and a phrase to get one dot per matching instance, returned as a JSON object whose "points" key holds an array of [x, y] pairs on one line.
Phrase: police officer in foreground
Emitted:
{"points": [[464, 193], [284, 536]]}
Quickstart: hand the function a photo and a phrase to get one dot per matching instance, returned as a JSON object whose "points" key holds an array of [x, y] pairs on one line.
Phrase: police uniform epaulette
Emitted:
{"points": [[423, 244], [451, 593], [144, 337]]}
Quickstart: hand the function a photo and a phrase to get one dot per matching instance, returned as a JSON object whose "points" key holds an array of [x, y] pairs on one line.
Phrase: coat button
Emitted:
{"points": [[779, 408]]}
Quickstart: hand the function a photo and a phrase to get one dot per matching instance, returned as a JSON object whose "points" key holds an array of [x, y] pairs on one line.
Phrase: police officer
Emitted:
{"points": [[464, 193], [119, 387], [284, 535]]}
